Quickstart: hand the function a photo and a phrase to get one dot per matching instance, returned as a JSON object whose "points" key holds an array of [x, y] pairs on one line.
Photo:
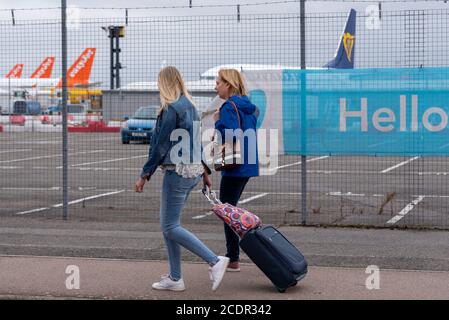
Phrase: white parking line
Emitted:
{"points": [[296, 163], [105, 161], [50, 156], [257, 196], [71, 202], [253, 198], [399, 165], [18, 150], [406, 210]]}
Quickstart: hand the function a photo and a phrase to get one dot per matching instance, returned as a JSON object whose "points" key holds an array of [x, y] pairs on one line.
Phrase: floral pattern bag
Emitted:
{"points": [[238, 219]]}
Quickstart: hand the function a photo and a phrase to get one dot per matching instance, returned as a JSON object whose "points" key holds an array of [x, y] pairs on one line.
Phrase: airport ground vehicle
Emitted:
{"points": [[27, 107]]}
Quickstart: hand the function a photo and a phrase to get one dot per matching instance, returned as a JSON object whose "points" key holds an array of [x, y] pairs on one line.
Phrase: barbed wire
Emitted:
{"points": [[191, 6]]}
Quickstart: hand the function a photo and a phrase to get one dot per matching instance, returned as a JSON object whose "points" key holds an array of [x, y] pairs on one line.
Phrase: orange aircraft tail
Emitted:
{"points": [[45, 68], [16, 71], [79, 72]]}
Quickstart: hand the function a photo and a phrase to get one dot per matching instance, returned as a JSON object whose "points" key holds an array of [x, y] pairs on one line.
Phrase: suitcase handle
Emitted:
{"points": [[211, 196]]}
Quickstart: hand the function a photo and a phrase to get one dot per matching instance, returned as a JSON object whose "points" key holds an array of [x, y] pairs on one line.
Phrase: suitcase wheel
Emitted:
{"points": [[281, 290]]}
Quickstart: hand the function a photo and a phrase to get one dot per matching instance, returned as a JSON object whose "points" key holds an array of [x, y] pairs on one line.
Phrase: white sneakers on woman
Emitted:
{"points": [[167, 283], [216, 273]]}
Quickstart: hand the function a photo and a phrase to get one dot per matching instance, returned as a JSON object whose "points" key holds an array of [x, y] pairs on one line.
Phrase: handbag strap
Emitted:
{"points": [[238, 114]]}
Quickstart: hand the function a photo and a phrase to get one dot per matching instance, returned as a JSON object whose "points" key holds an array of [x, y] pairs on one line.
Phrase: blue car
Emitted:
{"points": [[140, 127]]}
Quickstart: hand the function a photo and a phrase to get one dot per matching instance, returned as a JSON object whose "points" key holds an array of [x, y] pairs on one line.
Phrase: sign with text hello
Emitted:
{"points": [[394, 111]]}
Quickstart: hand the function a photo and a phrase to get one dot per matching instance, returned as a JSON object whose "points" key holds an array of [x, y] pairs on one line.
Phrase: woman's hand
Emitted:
{"points": [[138, 187], [216, 115]]}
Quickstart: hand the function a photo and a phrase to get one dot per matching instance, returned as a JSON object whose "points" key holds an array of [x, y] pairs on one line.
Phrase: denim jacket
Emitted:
{"points": [[180, 114]]}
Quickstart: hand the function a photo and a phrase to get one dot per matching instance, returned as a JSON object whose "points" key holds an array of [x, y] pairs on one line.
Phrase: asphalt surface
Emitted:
{"points": [[113, 234], [363, 191]]}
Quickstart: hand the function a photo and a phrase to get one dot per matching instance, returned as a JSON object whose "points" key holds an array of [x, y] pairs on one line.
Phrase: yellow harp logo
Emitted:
{"points": [[348, 43]]}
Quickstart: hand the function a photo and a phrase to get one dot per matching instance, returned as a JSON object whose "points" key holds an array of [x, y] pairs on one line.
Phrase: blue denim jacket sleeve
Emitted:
{"points": [[161, 143]]}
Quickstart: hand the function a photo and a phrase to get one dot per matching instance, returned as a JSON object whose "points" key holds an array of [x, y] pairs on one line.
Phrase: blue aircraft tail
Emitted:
{"points": [[344, 57]]}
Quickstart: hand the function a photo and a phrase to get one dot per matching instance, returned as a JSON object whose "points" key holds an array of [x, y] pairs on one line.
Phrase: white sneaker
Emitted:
{"points": [[217, 272], [167, 283]]}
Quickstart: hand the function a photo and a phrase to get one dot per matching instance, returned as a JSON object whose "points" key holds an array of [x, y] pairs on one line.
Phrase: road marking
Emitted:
{"points": [[105, 161], [71, 202], [338, 193], [57, 189], [399, 165], [51, 156], [202, 215], [253, 198], [18, 150], [33, 189], [296, 163], [257, 196], [406, 210], [34, 210]]}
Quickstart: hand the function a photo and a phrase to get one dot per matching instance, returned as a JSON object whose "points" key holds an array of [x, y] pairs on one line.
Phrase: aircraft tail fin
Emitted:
{"points": [[16, 71], [344, 57], [79, 72], [45, 68]]}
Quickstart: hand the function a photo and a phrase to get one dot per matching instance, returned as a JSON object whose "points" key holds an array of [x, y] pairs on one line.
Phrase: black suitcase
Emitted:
{"points": [[277, 257]]}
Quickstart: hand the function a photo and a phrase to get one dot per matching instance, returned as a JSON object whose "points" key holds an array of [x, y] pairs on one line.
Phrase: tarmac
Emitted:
{"points": [[57, 277]]}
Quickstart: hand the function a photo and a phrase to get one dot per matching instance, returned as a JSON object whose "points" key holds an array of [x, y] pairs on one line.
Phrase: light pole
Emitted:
{"points": [[115, 33]]}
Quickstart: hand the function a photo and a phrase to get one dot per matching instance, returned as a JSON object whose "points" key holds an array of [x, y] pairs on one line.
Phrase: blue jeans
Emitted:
{"points": [[175, 191]]}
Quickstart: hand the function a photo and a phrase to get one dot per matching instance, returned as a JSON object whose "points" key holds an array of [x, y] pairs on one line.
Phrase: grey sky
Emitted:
{"points": [[201, 43], [311, 6]]}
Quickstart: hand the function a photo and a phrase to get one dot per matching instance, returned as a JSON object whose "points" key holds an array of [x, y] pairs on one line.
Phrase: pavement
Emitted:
{"points": [[340, 267], [55, 278]]}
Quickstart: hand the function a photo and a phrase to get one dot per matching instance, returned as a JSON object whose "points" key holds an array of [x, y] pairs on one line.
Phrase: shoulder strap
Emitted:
{"points": [[238, 115]]}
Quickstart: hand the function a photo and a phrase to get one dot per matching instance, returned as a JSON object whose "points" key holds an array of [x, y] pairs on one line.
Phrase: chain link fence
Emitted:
{"points": [[104, 94]]}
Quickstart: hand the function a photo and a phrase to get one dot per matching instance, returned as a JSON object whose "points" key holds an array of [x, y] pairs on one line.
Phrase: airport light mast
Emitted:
{"points": [[114, 34]]}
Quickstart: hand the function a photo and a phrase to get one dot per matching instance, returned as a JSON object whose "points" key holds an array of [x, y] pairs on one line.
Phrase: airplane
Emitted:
{"points": [[44, 70], [77, 75], [343, 59], [16, 72]]}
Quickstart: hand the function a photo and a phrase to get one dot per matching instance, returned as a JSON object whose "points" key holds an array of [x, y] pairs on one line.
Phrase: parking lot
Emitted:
{"points": [[373, 191]]}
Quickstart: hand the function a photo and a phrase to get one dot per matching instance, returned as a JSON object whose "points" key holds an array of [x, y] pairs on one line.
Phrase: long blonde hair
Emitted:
{"points": [[171, 86], [235, 81]]}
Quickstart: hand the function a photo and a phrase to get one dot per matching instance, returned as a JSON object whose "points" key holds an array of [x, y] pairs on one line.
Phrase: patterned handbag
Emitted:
{"points": [[228, 155], [238, 219]]}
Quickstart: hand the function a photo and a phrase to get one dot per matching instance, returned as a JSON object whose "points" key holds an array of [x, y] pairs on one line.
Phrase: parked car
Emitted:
{"points": [[140, 126]]}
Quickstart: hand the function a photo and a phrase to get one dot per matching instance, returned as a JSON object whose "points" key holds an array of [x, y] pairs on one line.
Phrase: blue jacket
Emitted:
{"points": [[229, 120], [180, 114]]}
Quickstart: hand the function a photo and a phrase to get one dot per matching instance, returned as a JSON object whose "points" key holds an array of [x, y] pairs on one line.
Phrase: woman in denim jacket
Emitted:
{"points": [[183, 170]]}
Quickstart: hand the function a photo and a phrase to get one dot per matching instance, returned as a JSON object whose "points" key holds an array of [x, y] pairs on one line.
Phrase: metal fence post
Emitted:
{"points": [[303, 120], [65, 159]]}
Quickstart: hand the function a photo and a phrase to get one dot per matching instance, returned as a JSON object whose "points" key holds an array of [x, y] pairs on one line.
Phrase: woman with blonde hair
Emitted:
{"points": [[237, 112], [182, 172]]}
